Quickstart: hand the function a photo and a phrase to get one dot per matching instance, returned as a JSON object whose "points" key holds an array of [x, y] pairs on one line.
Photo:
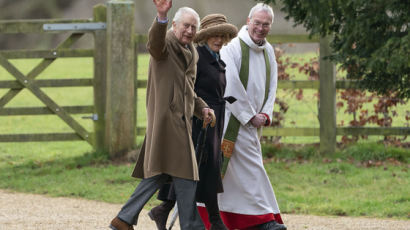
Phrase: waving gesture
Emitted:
{"points": [[163, 7]]}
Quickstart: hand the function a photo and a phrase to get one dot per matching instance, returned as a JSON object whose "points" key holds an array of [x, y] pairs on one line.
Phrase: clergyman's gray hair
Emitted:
{"points": [[261, 7], [183, 10]]}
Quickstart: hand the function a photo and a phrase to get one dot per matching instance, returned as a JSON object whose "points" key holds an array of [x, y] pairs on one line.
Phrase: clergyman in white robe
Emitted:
{"points": [[248, 196]]}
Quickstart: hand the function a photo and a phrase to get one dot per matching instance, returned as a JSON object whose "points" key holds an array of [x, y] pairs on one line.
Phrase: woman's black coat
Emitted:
{"points": [[210, 86]]}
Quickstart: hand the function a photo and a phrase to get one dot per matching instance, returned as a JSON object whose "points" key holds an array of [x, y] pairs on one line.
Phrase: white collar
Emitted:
{"points": [[244, 35]]}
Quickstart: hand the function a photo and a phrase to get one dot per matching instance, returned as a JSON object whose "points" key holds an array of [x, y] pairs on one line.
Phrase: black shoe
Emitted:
{"points": [[214, 216], [217, 223], [159, 214], [218, 226], [272, 225]]}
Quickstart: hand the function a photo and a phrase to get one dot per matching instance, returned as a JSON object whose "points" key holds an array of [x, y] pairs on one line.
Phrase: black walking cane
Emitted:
{"points": [[200, 143]]}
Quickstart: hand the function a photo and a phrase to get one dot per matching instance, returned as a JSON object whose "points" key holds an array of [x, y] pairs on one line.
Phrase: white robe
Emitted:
{"points": [[247, 189]]}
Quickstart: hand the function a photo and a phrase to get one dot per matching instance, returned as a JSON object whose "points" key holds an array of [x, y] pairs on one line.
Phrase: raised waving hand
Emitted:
{"points": [[163, 7]]}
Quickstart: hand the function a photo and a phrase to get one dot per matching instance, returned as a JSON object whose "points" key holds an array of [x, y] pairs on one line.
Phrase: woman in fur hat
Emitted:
{"points": [[210, 86]]}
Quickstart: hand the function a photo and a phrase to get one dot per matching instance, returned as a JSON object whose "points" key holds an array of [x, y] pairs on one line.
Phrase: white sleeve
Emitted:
{"points": [[268, 107], [241, 108]]}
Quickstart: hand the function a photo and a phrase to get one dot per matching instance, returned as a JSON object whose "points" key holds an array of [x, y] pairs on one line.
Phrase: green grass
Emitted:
{"points": [[361, 180], [341, 189], [361, 152], [63, 169], [303, 181]]}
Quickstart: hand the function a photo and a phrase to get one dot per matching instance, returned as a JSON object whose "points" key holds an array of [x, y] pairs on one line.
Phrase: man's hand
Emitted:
{"points": [[163, 7], [258, 120], [209, 117]]}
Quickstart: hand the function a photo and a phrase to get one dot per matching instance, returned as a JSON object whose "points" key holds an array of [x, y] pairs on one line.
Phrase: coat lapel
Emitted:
{"points": [[188, 53]]}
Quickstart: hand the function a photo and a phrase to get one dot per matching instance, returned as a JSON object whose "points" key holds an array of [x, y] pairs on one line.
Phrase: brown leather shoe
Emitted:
{"points": [[118, 224], [159, 215]]}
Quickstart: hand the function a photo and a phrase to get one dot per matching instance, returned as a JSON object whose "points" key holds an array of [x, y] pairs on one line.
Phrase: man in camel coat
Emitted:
{"points": [[168, 153]]}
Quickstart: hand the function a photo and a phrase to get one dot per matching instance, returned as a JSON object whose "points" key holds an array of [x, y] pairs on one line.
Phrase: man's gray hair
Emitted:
{"points": [[261, 7], [183, 10]]}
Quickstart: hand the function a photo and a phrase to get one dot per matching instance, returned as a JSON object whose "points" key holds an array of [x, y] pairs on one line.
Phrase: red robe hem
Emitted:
{"points": [[240, 221]]}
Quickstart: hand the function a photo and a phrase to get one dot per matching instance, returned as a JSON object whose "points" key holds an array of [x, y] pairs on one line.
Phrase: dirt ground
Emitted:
{"points": [[27, 211]]}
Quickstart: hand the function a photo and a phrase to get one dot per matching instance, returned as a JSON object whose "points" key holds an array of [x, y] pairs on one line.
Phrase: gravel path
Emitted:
{"points": [[27, 211]]}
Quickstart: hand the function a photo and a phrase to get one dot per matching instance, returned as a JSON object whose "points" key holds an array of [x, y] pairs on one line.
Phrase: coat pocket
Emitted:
{"points": [[172, 104], [177, 107]]}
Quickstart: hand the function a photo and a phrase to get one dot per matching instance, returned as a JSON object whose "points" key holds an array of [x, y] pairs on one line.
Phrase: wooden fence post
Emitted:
{"points": [[100, 79], [121, 89], [327, 103], [135, 71]]}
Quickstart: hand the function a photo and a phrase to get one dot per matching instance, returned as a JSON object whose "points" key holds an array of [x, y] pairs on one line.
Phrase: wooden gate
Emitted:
{"points": [[114, 77], [29, 82]]}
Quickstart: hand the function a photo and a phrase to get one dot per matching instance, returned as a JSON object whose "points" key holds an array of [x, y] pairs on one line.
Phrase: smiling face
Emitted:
{"points": [[259, 25], [185, 28], [216, 42]]}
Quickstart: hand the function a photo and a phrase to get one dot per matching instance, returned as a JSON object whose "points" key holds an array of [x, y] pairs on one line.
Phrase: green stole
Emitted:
{"points": [[233, 125]]}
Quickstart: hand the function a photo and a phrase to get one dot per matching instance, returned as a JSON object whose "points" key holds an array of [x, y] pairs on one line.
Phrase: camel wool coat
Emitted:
{"points": [[171, 103]]}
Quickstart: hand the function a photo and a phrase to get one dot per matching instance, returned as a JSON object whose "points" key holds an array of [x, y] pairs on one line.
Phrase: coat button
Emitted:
{"points": [[183, 117]]}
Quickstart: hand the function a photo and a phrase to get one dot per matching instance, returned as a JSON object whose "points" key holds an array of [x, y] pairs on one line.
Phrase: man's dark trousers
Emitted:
{"points": [[185, 193]]}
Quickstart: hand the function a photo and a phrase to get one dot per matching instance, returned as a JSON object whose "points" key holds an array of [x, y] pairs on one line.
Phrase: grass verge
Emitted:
{"points": [[361, 180], [304, 181]]}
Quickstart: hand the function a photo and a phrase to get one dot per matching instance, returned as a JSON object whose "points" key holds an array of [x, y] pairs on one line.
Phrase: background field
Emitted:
{"points": [[301, 113]]}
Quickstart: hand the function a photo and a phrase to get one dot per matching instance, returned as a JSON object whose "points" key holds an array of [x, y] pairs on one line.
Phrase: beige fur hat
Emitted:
{"points": [[214, 24]]}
